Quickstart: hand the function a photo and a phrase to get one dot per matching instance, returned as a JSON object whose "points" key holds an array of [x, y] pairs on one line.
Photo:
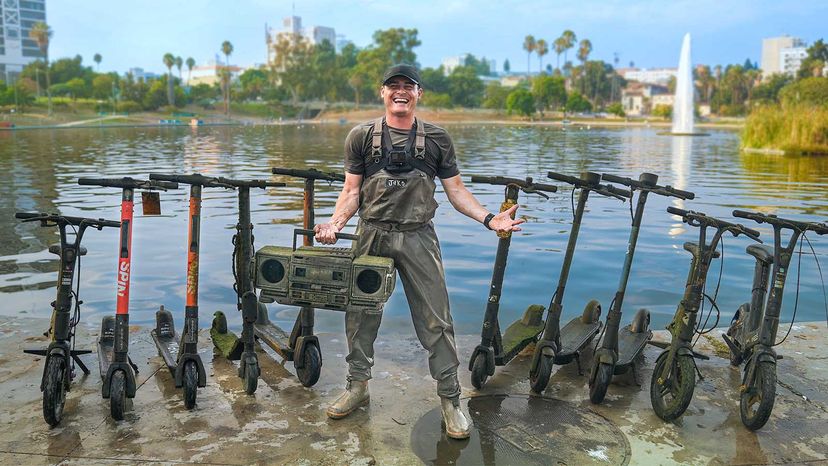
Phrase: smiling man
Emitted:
{"points": [[390, 166]]}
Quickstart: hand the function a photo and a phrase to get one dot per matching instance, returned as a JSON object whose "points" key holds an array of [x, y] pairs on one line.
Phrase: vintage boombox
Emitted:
{"points": [[324, 277]]}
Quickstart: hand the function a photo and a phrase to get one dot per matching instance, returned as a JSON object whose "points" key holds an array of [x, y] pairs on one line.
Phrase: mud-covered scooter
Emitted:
{"points": [[180, 353], [61, 355], [242, 349], [301, 346], [496, 348], [117, 369], [674, 375], [563, 345], [752, 333], [621, 346]]}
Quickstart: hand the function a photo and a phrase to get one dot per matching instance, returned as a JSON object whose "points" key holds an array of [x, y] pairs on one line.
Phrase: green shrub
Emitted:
{"points": [[436, 100], [520, 101], [792, 128]]}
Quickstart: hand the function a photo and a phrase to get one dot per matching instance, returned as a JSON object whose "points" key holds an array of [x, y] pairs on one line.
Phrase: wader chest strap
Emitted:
{"points": [[379, 153]]}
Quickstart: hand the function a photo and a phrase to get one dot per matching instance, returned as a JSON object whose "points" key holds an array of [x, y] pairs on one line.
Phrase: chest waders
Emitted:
{"points": [[301, 346], [674, 375], [496, 348], [621, 346], [752, 334], [180, 352], [563, 345], [117, 369], [58, 368]]}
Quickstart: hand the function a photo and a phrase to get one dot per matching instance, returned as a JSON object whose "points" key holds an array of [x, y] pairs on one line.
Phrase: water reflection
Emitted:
{"points": [[38, 171]]}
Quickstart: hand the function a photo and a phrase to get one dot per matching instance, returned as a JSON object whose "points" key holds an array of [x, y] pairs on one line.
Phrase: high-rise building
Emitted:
{"points": [[772, 47], [16, 48], [292, 30], [790, 59]]}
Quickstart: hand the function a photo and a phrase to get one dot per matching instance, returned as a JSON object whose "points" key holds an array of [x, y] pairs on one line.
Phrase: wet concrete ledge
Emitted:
{"points": [[285, 423]]}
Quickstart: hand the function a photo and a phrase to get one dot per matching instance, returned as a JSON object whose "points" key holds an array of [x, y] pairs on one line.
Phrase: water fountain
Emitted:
{"points": [[683, 118]]}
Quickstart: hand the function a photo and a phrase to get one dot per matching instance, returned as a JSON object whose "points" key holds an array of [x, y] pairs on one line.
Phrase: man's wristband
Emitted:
{"points": [[487, 220]]}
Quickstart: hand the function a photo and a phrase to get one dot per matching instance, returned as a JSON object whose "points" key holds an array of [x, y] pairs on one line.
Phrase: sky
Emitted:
{"points": [[138, 33]]}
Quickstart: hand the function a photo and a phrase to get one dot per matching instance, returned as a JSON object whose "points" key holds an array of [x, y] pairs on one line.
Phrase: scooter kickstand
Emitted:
{"points": [[578, 362]]}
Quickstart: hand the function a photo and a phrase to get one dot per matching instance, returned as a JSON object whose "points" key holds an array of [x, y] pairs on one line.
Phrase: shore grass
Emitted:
{"points": [[800, 129]]}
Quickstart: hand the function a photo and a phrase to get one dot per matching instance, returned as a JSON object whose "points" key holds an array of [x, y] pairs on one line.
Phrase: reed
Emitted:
{"points": [[795, 129]]}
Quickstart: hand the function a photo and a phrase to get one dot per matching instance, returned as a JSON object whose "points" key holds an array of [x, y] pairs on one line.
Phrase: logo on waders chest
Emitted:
{"points": [[392, 183]]}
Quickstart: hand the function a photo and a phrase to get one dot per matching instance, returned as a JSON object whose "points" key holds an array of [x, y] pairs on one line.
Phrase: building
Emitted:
{"points": [[210, 73], [790, 59], [139, 73], [16, 49], [450, 63], [292, 30], [660, 76], [641, 98], [772, 60]]}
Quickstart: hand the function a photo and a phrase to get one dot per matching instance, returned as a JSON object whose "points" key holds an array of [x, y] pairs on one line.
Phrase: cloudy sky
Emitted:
{"points": [[646, 32]]}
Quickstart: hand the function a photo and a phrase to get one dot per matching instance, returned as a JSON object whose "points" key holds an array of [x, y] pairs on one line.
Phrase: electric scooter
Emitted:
{"points": [[496, 348], [674, 375], [61, 355], [620, 347], [563, 345], [180, 353], [117, 369], [233, 348], [301, 346], [752, 333]]}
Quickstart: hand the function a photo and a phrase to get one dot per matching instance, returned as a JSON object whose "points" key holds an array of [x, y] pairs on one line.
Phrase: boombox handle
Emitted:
{"points": [[304, 232]]}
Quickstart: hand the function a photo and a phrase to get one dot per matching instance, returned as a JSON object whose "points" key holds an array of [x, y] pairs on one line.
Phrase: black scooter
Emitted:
{"points": [[752, 333], [674, 375], [496, 348], [61, 355], [117, 369], [563, 345], [226, 342], [180, 352], [621, 346]]}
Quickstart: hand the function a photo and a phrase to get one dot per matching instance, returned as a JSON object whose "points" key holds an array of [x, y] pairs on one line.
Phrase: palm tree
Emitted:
{"points": [[178, 63], [97, 59], [41, 33], [529, 45], [190, 64], [560, 47], [568, 38], [584, 49], [169, 61], [541, 48], [226, 49]]}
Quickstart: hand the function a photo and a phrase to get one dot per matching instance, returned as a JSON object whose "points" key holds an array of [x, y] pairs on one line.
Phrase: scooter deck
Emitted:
{"points": [[630, 345], [274, 337], [575, 335], [168, 346], [521, 333]]}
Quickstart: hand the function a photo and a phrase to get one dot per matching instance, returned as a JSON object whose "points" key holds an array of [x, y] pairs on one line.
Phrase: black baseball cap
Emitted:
{"points": [[407, 71]]}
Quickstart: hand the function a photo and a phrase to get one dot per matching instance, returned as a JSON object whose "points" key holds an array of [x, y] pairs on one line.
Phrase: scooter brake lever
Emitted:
{"points": [[532, 191]]}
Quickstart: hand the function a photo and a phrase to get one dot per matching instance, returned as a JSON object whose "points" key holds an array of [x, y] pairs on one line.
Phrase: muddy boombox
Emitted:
{"points": [[324, 277]]}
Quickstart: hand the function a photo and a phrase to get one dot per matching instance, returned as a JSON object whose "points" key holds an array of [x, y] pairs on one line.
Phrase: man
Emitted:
{"points": [[390, 166]]}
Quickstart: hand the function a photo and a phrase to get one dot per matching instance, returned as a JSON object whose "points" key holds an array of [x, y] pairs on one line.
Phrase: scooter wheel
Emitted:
{"points": [[189, 383], [54, 390], [308, 375], [756, 402], [598, 387], [671, 398], [480, 372], [251, 378], [117, 395], [540, 379]]}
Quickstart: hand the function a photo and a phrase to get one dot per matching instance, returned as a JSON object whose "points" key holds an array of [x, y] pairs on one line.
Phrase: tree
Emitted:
{"points": [[494, 96], [584, 49], [253, 82], [576, 102], [97, 59], [811, 91], [520, 101], [506, 66], [169, 61], [568, 42], [481, 65], [397, 45], [178, 63], [815, 61], [768, 91], [549, 92], [616, 109], [559, 45], [541, 48], [529, 46], [102, 86], [190, 65], [435, 80], [226, 49], [465, 88], [41, 34]]}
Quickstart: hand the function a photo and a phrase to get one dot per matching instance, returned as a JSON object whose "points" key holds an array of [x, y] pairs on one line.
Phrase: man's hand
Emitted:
{"points": [[503, 221], [325, 233]]}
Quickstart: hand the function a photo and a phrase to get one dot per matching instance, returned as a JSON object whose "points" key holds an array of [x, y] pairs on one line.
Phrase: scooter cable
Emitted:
{"points": [[603, 329], [798, 275], [712, 300], [572, 202]]}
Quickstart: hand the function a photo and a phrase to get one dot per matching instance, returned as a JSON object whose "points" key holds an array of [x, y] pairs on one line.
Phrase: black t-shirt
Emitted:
{"points": [[439, 148]]}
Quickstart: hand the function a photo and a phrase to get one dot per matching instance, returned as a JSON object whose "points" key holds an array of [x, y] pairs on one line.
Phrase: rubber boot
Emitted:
{"points": [[454, 420], [354, 396]]}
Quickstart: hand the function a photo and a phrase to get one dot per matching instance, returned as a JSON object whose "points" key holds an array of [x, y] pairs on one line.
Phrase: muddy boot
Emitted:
{"points": [[454, 420], [354, 396]]}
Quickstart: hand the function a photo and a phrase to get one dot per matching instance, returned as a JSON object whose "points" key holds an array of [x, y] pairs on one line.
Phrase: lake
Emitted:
{"points": [[39, 170]]}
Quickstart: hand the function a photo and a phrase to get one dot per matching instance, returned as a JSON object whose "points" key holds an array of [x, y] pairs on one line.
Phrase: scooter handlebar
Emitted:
{"points": [[526, 185], [193, 179], [818, 228], [310, 174], [564, 178], [702, 219], [251, 183], [650, 186], [677, 211], [98, 223], [128, 183]]}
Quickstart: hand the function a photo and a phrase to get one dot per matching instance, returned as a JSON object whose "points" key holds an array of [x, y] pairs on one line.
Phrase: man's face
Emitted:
{"points": [[400, 96]]}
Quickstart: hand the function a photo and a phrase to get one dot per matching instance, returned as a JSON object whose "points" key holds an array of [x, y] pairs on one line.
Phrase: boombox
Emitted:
{"points": [[324, 277]]}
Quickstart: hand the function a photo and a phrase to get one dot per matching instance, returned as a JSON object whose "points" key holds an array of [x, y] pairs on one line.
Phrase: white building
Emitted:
{"points": [[210, 73], [139, 73], [773, 61], [16, 48], [292, 29], [450, 63], [791, 59], [659, 76]]}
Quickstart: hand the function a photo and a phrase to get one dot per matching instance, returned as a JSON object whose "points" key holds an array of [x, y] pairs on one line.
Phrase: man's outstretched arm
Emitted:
{"points": [[347, 205], [465, 203]]}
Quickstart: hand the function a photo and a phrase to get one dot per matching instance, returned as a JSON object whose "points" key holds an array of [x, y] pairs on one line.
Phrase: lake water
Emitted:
{"points": [[39, 169]]}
